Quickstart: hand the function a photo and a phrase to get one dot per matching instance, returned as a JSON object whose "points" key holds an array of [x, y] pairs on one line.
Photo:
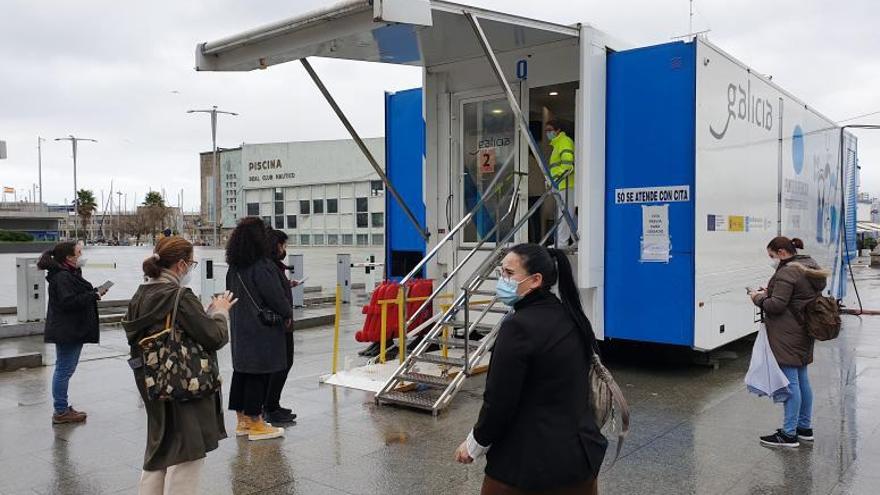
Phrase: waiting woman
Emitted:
{"points": [[179, 434], [536, 427], [274, 413], [71, 321], [797, 280], [258, 326]]}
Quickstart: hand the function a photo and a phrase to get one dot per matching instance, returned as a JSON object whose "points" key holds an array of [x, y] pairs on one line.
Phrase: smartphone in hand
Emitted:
{"points": [[103, 288]]}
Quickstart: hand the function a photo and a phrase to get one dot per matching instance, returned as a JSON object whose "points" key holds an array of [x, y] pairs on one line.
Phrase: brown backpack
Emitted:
{"points": [[821, 318]]}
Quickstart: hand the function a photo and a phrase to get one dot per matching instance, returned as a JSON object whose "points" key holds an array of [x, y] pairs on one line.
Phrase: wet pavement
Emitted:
{"points": [[694, 428]]}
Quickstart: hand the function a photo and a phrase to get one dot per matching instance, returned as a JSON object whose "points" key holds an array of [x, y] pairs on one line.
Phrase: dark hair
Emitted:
{"points": [[248, 243], [57, 255], [168, 252], [785, 244], [276, 237], [554, 124], [554, 267]]}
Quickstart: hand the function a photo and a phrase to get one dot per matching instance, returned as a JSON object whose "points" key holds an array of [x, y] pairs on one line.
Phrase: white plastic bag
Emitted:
{"points": [[764, 377]]}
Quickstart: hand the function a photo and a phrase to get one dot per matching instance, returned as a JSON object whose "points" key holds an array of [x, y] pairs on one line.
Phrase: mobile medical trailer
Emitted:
{"points": [[687, 163]]}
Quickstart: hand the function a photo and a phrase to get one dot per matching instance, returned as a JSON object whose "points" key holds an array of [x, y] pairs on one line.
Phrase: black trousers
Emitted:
{"points": [[247, 392], [277, 380]]}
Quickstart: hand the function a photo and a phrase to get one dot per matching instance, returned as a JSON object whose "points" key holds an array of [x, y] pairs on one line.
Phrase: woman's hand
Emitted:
{"points": [[223, 302], [755, 293], [461, 454], [293, 283]]}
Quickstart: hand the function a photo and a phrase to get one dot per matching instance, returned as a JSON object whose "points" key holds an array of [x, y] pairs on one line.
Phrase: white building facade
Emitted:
{"points": [[321, 193]]}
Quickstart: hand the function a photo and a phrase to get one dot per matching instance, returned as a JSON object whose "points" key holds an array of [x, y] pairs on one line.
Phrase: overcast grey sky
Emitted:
{"points": [[121, 73]]}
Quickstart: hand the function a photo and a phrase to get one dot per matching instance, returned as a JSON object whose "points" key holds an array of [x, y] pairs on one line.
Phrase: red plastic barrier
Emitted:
{"points": [[372, 329]]}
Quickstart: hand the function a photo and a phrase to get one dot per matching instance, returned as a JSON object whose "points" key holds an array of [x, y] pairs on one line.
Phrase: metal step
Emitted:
{"points": [[455, 342], [422, 399], [432, 380], [432, 358], [480, 327], [481, 292]]}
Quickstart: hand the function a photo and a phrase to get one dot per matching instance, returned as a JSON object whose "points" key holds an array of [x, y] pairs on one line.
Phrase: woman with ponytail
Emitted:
{"points": [[71, 320], [536, 426]]}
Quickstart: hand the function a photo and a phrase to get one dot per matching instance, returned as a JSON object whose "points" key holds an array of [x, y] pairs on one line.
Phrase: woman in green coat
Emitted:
{"points": [[179, 434]]}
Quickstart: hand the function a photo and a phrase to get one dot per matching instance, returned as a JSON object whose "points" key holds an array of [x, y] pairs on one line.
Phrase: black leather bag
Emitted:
{"points": [[267, 316]]}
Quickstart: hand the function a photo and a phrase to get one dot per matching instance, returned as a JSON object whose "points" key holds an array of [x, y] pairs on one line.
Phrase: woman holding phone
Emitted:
{"points": [[71, 320]]}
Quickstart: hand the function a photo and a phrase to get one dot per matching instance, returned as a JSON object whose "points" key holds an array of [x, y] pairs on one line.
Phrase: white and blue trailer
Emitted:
{"points": [[687, 161]]}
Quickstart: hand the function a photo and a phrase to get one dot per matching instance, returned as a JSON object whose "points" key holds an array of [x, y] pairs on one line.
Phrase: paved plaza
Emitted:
{"points": [[694, 428]]}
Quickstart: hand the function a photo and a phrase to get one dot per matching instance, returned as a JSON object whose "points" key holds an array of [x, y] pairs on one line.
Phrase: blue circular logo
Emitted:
{"points": [[797, 149]]}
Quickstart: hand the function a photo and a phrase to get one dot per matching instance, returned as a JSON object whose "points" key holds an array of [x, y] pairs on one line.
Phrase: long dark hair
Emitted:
{"points": [[248, 243], [57, 255], [554, 267]]}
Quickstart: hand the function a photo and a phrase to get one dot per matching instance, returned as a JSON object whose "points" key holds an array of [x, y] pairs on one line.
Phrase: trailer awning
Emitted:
{"points": [[867, 228], [410, 32]]}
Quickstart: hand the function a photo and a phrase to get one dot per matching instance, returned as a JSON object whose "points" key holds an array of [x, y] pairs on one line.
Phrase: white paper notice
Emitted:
{"points": [[655, 244]]}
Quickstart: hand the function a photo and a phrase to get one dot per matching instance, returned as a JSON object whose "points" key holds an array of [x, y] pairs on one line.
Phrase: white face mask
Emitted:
{"points": [[81, 261], [774, 263], [186, 279]]}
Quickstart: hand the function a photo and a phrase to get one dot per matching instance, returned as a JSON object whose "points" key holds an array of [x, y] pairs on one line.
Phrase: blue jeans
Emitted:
{"points": [[66, 359], [799, 407]]}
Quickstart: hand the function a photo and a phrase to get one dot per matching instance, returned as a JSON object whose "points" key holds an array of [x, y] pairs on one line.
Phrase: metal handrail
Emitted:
{"points": [[511, 210], [461, 224]]}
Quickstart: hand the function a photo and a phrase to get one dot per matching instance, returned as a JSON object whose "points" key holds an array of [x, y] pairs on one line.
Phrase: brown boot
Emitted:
{"points": [[260, 430], [68, 416]]}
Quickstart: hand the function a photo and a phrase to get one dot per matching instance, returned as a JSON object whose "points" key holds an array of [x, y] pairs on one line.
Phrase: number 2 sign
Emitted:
{"points": [[486, 161]]}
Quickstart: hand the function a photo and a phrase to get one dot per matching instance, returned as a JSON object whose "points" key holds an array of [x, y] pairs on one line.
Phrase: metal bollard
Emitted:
{"points": [[208, 282], [31, 285], [295, 261], [343, 275]]}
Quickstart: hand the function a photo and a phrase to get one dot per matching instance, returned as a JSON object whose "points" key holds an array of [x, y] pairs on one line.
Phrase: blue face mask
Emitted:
{"points": [[505, 290], [551, 135]]}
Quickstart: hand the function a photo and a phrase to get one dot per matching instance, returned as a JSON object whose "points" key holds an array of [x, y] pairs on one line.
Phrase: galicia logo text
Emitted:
{"points": [[745, 106]]}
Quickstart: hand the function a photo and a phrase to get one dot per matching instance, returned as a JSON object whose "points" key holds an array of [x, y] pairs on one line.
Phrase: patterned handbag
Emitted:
{"points": [[175, 366]]}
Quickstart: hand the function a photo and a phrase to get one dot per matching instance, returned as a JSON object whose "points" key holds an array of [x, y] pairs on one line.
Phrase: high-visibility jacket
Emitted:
{"points": [[562, 160]]}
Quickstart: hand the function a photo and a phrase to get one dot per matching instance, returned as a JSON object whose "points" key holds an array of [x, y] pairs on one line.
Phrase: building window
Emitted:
{"points": [[318, 205], [346, 239], [305, 207], [362, 220], [304, 239], [291, 221], [376, 187], [362, 205], [318, 239], [378, 239], [279, 207], [279, 194], [378, 219], [363, 239], [279, 221], [332, 239], [253, 209], [332, 206]]}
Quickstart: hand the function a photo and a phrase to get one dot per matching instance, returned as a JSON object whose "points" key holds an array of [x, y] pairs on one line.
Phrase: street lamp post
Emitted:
{"points": [[215, 211], [73, 143], [40, 166]]}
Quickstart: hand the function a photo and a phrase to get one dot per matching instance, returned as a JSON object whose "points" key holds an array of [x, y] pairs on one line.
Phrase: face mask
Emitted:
{"points": [[551, 135], [81, 261], [774, 263], [186, 279], [505, 291]]}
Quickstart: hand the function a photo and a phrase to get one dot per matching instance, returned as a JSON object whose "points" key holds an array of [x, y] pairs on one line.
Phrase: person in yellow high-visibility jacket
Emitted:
{"points": [[561, 161]]}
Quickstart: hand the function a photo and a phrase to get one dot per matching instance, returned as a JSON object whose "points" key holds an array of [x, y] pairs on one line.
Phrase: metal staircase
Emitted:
{"points": [[465, 333]]}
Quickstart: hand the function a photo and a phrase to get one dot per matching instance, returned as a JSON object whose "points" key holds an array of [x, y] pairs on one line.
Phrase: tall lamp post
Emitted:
{"points": [[73, 143], [40, 166], [215, 211]]}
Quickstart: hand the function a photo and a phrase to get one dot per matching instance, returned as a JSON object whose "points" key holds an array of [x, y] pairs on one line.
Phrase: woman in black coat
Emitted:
{"points": [[258, 345], [71, 320], [536, 427]]}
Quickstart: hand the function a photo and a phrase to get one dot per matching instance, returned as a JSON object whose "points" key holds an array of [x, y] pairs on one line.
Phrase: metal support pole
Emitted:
{"points": [[370, 158], [343, 275], [401, 322], [40, 166], [521, 119], [295, 261], [336, 329]]}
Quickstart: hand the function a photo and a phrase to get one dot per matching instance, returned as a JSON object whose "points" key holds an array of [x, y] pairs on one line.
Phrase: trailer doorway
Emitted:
{"points": [[548, 103]]}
